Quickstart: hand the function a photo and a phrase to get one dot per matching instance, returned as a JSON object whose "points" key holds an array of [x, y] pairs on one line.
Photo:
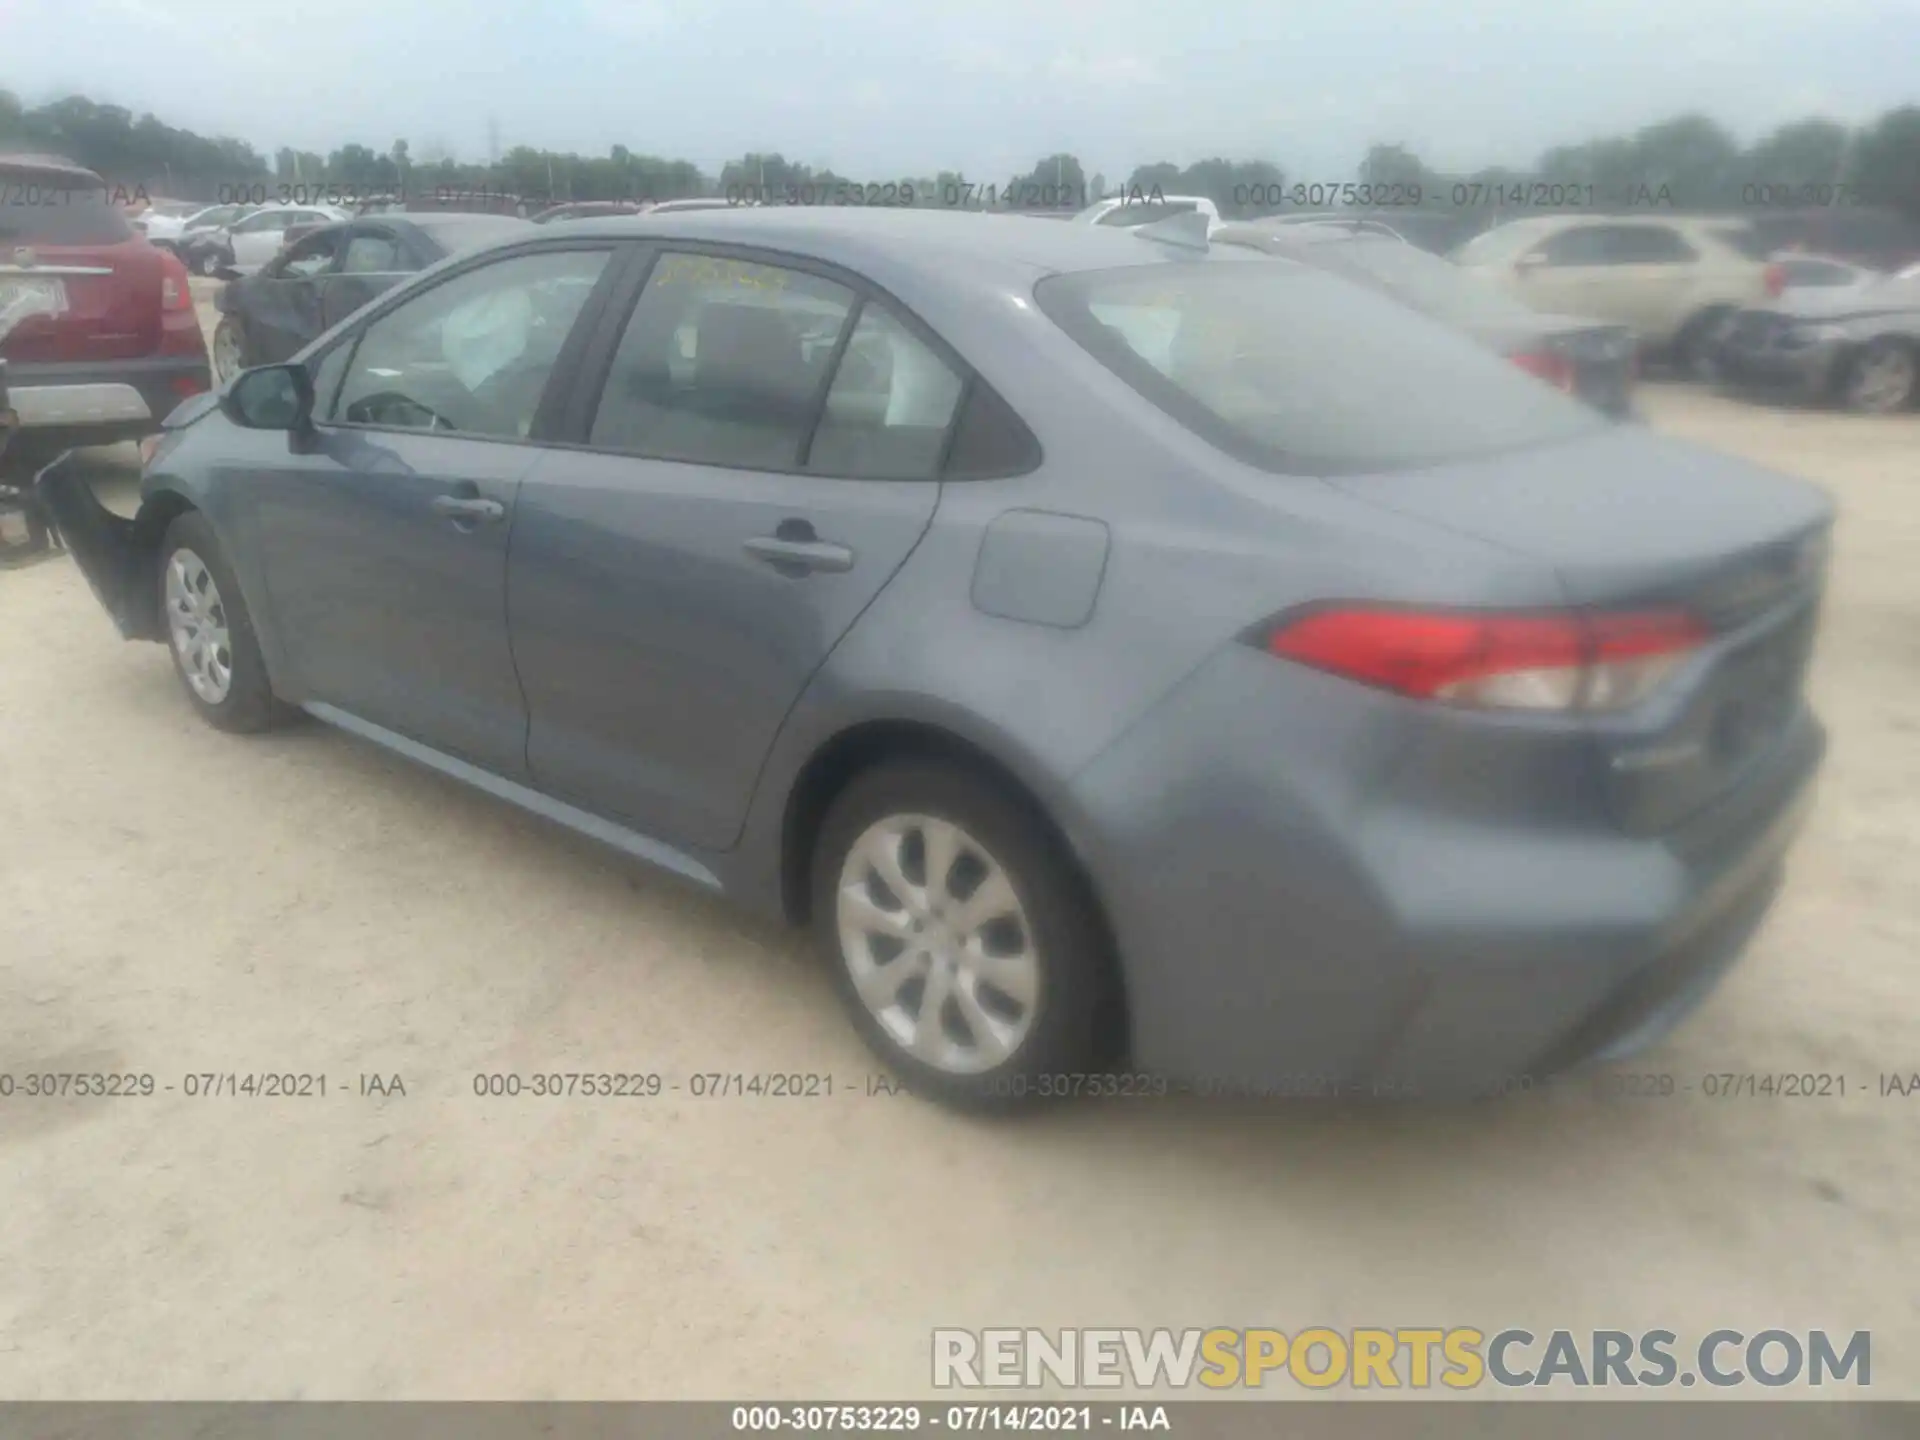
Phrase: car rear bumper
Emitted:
{"points": [[1328, 934], [95, 403]]}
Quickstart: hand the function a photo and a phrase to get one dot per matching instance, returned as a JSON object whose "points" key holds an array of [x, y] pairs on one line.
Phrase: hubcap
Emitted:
{"points": [[937, 943], [1883, 380], [197, 622], [226, 352]]}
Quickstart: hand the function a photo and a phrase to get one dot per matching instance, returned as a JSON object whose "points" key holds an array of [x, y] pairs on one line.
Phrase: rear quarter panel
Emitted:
{"points": [[1200, 549]]}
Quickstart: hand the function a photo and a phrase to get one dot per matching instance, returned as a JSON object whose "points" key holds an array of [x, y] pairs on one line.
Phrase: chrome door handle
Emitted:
{"points": [[469, 508], [801, 556]]}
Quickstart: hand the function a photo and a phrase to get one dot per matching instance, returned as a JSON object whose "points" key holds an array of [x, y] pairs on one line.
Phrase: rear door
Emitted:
{"points": [[1663, 280], [282, 304], [83, 284], [757, 462]]}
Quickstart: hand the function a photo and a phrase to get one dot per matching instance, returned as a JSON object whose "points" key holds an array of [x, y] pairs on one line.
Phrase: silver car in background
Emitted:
{"points": [[1076, 628]]}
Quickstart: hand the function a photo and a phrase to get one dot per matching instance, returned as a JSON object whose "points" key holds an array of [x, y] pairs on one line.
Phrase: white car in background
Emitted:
{"points": [[257, 238], [1672, 279], [163, 220], [1131, 210]]}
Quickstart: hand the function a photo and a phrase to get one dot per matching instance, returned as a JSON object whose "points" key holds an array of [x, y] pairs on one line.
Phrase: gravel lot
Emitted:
{"points": [[174, 901]]}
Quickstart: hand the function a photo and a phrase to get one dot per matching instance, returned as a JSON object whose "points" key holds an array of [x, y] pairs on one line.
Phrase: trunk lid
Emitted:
{"points": [[106, 306], [1622, 516], [1630, 521]]}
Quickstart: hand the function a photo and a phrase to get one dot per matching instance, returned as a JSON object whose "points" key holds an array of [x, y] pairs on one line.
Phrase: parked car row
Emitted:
{"points": [[1110, 641], [319, 279], [104, 340], [1713, 295]]}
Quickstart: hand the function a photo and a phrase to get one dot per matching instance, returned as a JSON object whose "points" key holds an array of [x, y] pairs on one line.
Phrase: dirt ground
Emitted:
{"points": [[174, 901]]}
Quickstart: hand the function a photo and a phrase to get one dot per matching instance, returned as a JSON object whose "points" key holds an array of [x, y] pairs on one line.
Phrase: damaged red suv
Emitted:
{"points": [[98, 331]]}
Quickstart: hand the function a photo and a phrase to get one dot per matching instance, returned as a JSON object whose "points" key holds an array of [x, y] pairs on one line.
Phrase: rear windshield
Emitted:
{"points": [[1431, 285], [1749, 241], [464, 232], [37, 211], [1299, 372], [1503, 242]]}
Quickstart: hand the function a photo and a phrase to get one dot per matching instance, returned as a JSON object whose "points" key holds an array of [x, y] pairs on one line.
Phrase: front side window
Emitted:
{"points": [[722, 363], [1285, 367], [265, 220], [471, 356], [1647, 245], [306, 258], [371, 255]]}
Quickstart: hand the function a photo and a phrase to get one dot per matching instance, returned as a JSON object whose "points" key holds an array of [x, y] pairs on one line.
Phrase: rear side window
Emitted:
{"points": [[722, 363], [1747, 239], [889, 407], [1647, 245], [1299, 372], [1815, 272], [34, 211], [989, 440]]}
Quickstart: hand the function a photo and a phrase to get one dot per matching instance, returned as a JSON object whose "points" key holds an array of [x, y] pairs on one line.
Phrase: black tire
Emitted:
{"points": [[1072, 1020], [249, 704], [1693, 348], [1885, 350]]}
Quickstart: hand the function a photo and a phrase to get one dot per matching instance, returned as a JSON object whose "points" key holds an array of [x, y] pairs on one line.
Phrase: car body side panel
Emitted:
{"points": [[1190, 566]]}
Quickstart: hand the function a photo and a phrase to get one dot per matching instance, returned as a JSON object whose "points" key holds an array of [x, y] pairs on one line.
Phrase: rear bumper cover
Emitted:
{"points": [[1304, 935], [96, 402], [115, 554]]}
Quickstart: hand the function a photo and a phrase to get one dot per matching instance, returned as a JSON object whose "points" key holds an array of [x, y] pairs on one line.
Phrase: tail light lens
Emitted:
{"points": [[1775, 279], [1555, 662], [1547, 365], [176, 294]]}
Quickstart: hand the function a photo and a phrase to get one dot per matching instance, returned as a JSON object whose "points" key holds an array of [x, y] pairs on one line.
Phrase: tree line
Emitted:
{"points": [[1690, 162]]}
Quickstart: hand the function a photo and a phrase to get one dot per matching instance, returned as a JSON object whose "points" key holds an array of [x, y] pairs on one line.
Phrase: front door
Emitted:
{"points": [[761, 460], [283, 302], [385, 544]]}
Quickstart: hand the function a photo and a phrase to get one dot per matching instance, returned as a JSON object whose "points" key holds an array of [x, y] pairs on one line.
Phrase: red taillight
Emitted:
{"points": [[1488, 661], [1555, 369], [175, 293], [1775, 279]]}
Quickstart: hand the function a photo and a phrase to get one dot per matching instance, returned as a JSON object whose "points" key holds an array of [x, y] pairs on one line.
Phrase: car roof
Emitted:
{"points": [[927, 244], [51, 166]]}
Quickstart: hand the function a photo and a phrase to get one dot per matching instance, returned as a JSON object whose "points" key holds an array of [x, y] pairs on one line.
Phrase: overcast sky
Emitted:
{"points": [[883, 88]]}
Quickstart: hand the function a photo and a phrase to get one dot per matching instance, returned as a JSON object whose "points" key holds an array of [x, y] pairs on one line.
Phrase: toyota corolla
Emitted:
{"points": [[1071, 626]]}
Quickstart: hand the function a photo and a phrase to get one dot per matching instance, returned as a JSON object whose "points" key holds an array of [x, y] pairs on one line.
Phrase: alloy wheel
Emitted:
{"points": [[1882, 380], [937, 943], [197, 624], [226, 351]]}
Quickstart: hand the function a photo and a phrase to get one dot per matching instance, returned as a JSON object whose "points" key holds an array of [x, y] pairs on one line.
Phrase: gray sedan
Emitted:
{"points": [[1070, 625], [1859, 345]]}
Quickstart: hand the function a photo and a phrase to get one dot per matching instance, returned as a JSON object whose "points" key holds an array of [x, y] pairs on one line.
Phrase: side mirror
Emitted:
{"points": [[1529, 263], [271, 397]]}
